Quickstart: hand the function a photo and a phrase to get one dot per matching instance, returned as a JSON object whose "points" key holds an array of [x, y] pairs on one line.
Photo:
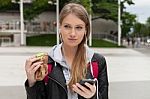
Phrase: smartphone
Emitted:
{"points": [[90, 81]]}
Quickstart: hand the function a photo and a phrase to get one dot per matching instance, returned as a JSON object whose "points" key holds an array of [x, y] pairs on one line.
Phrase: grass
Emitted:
{"points": [[50, 40], [104, 43], [41, 40]]}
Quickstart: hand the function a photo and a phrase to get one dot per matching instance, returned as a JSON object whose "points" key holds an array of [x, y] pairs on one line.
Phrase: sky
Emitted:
{"points": [[141, 9]]}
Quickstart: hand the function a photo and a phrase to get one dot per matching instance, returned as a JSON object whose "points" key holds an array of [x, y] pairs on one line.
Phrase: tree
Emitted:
{"points": [[129, 2], [5, 4], [128, 21], [148, 25], [106, 9], [127, 18], [32, 11], [140, 29], [37, 7], [86, 3]]}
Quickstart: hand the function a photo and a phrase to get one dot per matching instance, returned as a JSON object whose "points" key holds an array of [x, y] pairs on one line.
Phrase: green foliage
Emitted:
{"points": [[50, 40], [129, 2], [110, 1], [63, 2], [41, 40], [5, 4], [103, 43], [127, 18], [106, 10], [148, 25], [140, 29], [128, 21], [137, 27], [38, 6], [87, 4], [145, 31], [148, 21]]}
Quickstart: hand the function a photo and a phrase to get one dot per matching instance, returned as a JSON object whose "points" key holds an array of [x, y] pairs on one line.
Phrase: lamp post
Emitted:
{"points": [[57, 16], [57, 19], [22, 23], [90, 17], [119, 23], [21, 35]]}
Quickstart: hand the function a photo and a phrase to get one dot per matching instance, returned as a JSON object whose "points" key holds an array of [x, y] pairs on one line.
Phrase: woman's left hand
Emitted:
{"points": [[83, 91]]}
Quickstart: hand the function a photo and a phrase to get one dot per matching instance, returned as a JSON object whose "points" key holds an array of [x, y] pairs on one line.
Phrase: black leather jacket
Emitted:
{"points": [[57, 89]]}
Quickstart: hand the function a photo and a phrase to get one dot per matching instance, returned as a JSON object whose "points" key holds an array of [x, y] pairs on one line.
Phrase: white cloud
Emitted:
{"points": [[141, 9], [142, 2]]}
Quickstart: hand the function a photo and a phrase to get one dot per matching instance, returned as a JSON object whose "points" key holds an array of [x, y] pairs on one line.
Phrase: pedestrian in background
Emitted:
{"points": [[133, 42]]}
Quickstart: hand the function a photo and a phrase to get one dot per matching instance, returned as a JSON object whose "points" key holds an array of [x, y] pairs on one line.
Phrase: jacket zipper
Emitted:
{"points": [[58, 83]]}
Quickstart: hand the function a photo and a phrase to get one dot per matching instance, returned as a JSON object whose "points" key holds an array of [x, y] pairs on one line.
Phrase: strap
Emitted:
{"points": [[95, 69], [49, 70]]}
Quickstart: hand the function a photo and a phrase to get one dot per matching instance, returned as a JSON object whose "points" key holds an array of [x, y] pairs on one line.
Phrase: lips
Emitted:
{"points": [[72, 39]]}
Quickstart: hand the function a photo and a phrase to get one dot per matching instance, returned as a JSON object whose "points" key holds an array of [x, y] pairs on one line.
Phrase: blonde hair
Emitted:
{"points": [[79, 66]]}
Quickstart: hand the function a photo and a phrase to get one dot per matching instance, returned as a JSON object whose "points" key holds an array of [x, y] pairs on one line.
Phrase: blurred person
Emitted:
{"points": [[138, 42], [133, 42], [72, 62], [128, 40]]}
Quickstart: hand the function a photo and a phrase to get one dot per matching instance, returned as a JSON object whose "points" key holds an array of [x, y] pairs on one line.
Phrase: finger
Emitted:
{"points": [[30, 69], [82, 87], [34, 59], [91, 87], [32, 72], [36, 68], [31, 58], [35, 64], [77, 90], [30, 61]]}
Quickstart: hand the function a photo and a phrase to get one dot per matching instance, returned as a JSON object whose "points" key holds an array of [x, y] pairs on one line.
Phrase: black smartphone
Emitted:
{"points": [[90, 81]]}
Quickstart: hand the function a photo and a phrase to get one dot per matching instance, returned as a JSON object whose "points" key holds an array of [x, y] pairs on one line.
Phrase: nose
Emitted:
{"points": [[73, 32]]}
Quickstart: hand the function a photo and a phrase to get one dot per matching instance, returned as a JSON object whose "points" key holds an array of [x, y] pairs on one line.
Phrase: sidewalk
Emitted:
{"points": [[128, 72]]}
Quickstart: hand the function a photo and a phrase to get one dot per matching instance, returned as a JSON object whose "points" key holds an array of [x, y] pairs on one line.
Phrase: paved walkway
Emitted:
{"points": [[128, 71]]}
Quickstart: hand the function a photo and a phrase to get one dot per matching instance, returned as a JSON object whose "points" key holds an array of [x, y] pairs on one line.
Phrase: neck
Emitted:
{"points": [[69, 53]]}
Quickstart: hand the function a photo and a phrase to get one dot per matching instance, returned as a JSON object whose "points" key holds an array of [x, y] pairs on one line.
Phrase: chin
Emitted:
{"points": [[72, 44]]}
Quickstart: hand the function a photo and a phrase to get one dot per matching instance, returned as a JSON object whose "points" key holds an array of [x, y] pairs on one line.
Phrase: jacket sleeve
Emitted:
{"points": [[102, 77], [37, 91]]}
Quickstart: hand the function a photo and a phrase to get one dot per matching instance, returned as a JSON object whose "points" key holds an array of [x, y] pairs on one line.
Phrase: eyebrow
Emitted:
{"points": [[75, 25]]}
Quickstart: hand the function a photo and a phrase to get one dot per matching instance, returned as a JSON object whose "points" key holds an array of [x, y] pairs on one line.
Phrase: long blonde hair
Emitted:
{"points": [[79, 66]]}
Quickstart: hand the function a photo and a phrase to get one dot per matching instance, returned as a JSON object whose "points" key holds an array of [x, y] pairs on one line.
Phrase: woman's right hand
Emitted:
{"points": [[31, 66]]}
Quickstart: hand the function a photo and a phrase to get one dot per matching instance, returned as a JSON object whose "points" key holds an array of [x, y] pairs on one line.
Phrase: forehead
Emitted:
{"points": [[73, 20]]}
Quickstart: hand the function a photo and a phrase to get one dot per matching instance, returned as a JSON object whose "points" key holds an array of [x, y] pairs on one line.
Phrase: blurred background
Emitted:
{"points": [[120, 32]]}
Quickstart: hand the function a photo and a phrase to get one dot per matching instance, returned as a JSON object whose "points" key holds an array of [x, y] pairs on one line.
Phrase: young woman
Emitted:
{"points": [[71, 60]]}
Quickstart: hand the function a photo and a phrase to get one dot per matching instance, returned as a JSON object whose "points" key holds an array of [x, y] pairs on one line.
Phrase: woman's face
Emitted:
{"points": [[72, 30]]}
